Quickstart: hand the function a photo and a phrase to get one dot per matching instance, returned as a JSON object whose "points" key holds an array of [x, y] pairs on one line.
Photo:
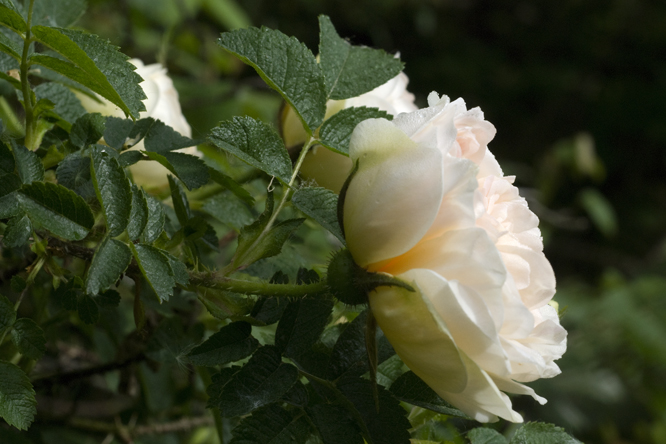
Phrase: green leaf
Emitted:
{"points": [[139, 215], [10, 18], [228, 210], [350, 71], [302, 323], [95, 64], [411, 389], [231, 185], [18, 231], [57, 209], [29, 338], [116, 131], [336, 131], [181, 206], [286, 65], [156, 269], [263, 380], [109, 262], [321, 205], [88, 310], [68, 292], [190, 169], [254, 142], [130, 157], [161, 138], [484, 435], [57, 13], [8, 46], [179, 269], [6, 160], [335, 424], [87, 130], [9, 183], [155, 222], [18, 284], [542, 433], [108, 298], [231, 343], [113, 191], [169, 342], [17, 398], [272, 425], [28, 165], [74, 173], [67, 105], [7, 314]]}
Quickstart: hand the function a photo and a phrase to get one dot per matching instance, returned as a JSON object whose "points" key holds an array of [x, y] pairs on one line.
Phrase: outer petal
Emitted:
{"points": [[329, 169], [395, 195]]}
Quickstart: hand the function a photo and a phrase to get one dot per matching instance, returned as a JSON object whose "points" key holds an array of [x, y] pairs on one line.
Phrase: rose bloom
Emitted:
{"points": [[327, 167], [162, 104], [429, 204]]}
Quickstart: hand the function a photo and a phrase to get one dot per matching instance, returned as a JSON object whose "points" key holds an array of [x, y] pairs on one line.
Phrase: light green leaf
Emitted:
{"points": [[7, 314], [273, 425], [484, 435], [95, 64], [87, 129], [155, 222], [67, 105], [29, 338], [228, 13], [542, 433], [139, 215], [336, 131], [189, 169], [600, 211], [108, 264], [156, 268], [321, 205], [9, 46], [113, 191], [18, 231], [28, 164], [411, 389], [57, 209], [350, 71], [286, 65], [88, 310], [54, 13], [231, 343], [254, 142], [10, 18], [17, 398]]}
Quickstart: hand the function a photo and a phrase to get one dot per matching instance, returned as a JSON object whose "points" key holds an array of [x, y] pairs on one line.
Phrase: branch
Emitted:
{"points": [[211, 280], [63, 378]]}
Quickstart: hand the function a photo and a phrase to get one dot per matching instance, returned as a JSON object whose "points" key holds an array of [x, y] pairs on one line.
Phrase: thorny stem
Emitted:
{"points": [[30, 123], [210, 280]]}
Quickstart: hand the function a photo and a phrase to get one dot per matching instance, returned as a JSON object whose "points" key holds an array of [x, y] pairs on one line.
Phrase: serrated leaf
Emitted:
{"points": [[484, 435], [9, 207], [336, 131], [161, 138], [169, 342], [335, 424], [297, 395], [156, 269], [179, 269], [29, 338], [17, 398], [542, 433], [286, 65], [191, 170], [28, 165], [321, 205], [254, 142], [231, 343], [88, 310], [302, 323], [108, 264], [10, 47], [155, 223], [95, 64], [263, 380], [10, 18], [181, 205], [218, 381], [68, 292], [411, 389], [113, 191], [57, 13], [228, 210], [272, 425], [139, 215], [74, 173], [350, 71], [18, 231], [6, 160], [116, 131], [231, 185], [87, 129], [130, 157], [7, 314], [108, 298], [67, 105], [57, 209]]}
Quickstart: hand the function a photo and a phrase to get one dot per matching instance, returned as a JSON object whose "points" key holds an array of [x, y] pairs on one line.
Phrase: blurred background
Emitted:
{"points": [[577, 92]]}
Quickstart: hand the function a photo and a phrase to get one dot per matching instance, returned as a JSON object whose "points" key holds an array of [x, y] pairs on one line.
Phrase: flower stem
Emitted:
{"points": [[209, 280], [30, 123]]}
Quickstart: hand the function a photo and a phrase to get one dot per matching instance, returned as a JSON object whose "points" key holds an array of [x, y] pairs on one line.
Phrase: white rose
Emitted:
{"points": [[429, 205], [161, 103], [326, 167]]}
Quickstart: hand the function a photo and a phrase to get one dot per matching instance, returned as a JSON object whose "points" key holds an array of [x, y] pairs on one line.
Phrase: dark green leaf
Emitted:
{"points": [[301, 325], [180, 203], [117, 131], [179, 269], [156, 269], [110, 261], [231, 185], [321, 205], [28, 165], [272, 425], [57, 13], [269, 310], [95, 64], [155, 222], [254, 142], [350, 71], [10, 47], [263, 380], [6, 160], [10, 18], [228, 210], [18, 284], [113, 191], [130, 157], [57, 209], [484, 435], [108, 298], [7, 314], [231, 343], [286, 65], [67, 105], [297, 395], [17, 398], [161, 138], [29, 338], [169, 342], [74, 173], [139, 215], [18, 231], [190, 169], [411, 389], [9, 183], [88, 310], [87, 130], [336, 132], [218, 381], [542, 433], [68, 292], [335, 424]]}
